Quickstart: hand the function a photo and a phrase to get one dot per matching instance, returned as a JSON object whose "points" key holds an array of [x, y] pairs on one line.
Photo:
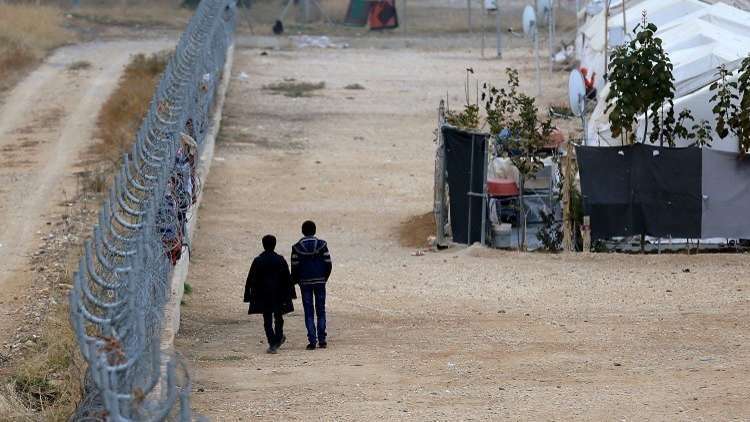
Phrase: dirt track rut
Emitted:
{"points": [[47, 122]]}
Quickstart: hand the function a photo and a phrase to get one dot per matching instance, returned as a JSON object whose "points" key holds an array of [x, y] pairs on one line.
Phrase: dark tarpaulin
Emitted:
{"points": [[641, 189], [726, 195], [667, 190], [607, 194], [465, 166]]}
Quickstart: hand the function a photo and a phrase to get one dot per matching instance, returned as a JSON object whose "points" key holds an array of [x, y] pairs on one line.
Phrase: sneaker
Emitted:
{"points": [[310, 346], [272, 350], [323, 345]]}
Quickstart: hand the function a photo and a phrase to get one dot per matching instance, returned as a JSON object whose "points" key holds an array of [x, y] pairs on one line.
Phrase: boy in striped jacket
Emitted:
{"points": [[311, 268]]}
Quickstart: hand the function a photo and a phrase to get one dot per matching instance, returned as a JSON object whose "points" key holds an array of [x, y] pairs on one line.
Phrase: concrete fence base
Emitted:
{"points": [[180, 271]]}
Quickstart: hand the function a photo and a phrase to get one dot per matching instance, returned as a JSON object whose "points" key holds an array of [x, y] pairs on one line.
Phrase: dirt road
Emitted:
{"points": [[47, 124], [464, 334]]}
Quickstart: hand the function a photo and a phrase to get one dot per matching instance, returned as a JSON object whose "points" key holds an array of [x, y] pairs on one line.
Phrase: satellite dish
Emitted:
{"points": [[576, 92], [529, 21]]}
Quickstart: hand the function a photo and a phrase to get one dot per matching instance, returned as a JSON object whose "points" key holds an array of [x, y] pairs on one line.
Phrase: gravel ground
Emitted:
{"points": [[463, 334]]}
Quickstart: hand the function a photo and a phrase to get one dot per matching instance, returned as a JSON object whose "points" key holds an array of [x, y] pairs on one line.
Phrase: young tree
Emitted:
{"points": [[732, 105], [516, 114], [642, 84]]}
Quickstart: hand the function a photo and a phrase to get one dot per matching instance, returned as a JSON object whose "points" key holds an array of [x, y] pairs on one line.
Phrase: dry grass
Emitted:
{"points": [[48, 384], [294, 89], [120, 117], [27, 34], [156, 14], [79, 65]]}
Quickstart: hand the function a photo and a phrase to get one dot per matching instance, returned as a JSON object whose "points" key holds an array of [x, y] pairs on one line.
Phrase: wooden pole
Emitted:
{"points": [[606, 36], [439, 207], [567, 186]]}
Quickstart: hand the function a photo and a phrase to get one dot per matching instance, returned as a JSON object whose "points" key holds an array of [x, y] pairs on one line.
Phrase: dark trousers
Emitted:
{"points": [[273, 334], [314, 302]]}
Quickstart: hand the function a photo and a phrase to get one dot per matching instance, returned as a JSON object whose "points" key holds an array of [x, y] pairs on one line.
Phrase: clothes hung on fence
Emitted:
{"points": [[383, 15], [358, 12]]}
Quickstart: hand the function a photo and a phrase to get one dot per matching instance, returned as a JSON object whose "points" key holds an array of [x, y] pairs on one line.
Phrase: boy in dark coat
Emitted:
{"points": [[270, 292], [311, 268]]}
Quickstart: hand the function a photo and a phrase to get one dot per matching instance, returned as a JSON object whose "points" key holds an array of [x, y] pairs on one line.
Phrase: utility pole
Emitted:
{"points": [[498, 30]]}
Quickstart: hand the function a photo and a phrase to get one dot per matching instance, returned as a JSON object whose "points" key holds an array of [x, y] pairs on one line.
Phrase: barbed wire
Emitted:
{"points": [[123, 280]]}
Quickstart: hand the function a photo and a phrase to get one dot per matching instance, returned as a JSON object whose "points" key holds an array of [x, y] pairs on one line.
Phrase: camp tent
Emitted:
{"points": [[591, 38], [697, 44]]}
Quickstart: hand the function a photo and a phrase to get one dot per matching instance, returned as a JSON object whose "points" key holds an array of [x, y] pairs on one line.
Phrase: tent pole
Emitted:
{"points": [[471, 179], [483, 237]]}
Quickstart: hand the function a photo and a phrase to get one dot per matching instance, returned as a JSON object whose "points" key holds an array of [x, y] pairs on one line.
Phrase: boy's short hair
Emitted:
{"points": [[308, 228], [269, 242]]}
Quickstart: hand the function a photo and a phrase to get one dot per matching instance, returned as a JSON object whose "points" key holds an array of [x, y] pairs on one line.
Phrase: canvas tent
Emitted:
{"points": [[697, 44], [591, 39]]}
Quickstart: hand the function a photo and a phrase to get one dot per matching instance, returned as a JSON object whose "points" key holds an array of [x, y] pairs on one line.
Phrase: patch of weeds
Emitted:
{"points": [[120, 117], [49, 382], [355, 87], [228, 358], [79, 65], [295, 89], [188, 289]]}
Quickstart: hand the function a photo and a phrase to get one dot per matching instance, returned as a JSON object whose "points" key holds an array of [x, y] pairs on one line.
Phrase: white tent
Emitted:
{"points": [[590, 41], [697, 44]]}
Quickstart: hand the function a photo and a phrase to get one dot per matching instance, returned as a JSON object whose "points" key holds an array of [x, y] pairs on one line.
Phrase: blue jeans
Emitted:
{"points": [[316, 293]]}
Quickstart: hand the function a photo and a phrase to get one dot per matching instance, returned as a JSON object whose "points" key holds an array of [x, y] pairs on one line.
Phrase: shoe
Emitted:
{"points": [[310, 346], [282, 341], [323, 345], [272, 350]]}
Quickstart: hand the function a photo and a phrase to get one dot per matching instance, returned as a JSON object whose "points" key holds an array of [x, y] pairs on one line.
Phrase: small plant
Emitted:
{"points": [[79, 65], [469, 118], [732, 105], [550, 234], [188, 289], [295, 89], [516, 115], [354, 87]]}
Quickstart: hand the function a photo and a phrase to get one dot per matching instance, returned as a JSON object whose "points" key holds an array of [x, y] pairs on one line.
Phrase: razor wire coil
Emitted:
{"points": [[122, 285]]}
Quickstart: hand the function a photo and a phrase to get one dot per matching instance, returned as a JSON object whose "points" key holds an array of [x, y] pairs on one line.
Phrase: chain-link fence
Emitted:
{"points": [[123, 281]]}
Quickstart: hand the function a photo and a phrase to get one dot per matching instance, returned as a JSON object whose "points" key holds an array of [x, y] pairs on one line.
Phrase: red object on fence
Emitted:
{"points": [[502, 187]]}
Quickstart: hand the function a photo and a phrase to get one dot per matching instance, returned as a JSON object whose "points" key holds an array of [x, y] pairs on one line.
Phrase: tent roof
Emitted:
{"points": [[659, 12]]}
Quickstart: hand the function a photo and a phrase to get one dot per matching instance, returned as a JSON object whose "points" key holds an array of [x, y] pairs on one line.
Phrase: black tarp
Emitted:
{"points": [[641, 189], [607, 194], [667, 189], [465, 156]]}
